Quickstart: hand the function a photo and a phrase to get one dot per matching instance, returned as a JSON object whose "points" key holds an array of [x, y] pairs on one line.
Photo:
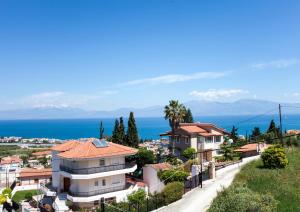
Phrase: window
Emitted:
{"points": [[96, 183], [102, 162], [208, 139], [186, 140], [218, 139], [177, 139], [103, 182], [96, 202]]}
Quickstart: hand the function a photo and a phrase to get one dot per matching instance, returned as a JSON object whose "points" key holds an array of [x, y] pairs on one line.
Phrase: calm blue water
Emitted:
{"points": [[149, 128]]}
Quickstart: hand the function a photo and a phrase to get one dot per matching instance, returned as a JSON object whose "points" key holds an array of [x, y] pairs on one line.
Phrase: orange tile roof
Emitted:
{"points": [[29, 172], [138, 182], [88, 150], [10, 159], [42, 153], [192, 129], [247, 148], [66, 145], [160, 166]]}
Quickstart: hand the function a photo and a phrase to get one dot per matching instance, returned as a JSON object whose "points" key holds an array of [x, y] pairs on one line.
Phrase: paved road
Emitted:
{"points": [[199, 199]]}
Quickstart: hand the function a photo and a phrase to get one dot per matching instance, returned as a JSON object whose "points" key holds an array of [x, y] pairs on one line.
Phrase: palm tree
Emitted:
{"points": [[175, 113]]}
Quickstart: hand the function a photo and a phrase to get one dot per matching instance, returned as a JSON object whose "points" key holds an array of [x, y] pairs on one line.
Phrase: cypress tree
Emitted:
{"points": [[121, 131], [234, 134], [115, 133], [132, 133], [188, 118], [101, 130], [272, 127]]}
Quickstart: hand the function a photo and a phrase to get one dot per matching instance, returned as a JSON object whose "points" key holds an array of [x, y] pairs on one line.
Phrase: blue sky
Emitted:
{"points": [[110, 54]]}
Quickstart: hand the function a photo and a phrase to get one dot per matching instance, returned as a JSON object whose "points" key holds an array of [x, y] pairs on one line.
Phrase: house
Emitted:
{"points": [[89, 170], [31, 176], [11, 163], [155, 185], [249, 150], [41, 154], [34, 163], [200, 136]]}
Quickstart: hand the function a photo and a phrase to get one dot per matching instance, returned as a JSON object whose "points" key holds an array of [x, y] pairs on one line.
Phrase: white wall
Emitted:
{"points": [[55, 169], [194, 142], [86, 185], [150, 177]]}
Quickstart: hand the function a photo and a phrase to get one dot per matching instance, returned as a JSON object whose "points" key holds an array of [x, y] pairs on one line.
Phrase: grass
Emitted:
{"points": [[282, 184], [20, 195]]}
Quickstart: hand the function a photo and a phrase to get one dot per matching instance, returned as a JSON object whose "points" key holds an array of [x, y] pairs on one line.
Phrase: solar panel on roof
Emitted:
{"points": [[100, 143]]}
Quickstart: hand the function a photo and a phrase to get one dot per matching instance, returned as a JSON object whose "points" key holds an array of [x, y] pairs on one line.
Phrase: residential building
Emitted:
{"points": [[30, 176], [89, 170], [41, 154], [200, 136], [150, 177], [249, 150], [11, 163]]}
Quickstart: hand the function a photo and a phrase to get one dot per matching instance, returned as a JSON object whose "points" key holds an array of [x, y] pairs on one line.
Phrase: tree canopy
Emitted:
{"points": [[188, 118], [132, 138]]}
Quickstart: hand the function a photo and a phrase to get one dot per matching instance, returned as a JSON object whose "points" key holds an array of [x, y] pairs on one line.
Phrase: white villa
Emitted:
{"points": [[86, 171], [200, 136]]}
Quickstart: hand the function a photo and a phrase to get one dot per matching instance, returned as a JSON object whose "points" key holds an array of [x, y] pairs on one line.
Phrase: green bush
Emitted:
{"points": [[274, 157], [137, 197], [172, 175], [173, 192], [188, 153], [242, 199]]}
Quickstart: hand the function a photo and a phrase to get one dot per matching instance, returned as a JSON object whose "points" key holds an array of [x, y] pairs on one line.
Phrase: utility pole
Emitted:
{"points": [[280, 121]]}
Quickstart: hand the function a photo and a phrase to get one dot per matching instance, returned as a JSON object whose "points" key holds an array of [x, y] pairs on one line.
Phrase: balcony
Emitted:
{"points": [[97, 192], [94, 170]]}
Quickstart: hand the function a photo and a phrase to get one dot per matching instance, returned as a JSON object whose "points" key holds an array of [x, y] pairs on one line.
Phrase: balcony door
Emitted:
{"points": [[67, 183]]}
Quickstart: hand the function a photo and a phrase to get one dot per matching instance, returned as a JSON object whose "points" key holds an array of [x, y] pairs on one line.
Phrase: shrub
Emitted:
{"points": [[137, 197], [172, 175], [173, 192], [241, 198], [188, 153], [274, 157]]}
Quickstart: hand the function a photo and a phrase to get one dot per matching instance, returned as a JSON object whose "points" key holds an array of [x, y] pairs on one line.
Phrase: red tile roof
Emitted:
{"points": [[31, 173], [87, 150], [160, 166], [10, 160], [66, 146], [203, 129], [42, 153], [138, 182]]}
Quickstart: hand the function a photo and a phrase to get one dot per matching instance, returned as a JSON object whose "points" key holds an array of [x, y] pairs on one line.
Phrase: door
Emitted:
{"points": [[67, 183]]}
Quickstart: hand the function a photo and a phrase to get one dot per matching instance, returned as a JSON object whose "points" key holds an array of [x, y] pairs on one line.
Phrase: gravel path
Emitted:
{"points": [[199, 199]]}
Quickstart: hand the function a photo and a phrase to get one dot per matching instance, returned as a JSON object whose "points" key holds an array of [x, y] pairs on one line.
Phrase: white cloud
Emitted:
{"points": [[214, 94], [173, 78], [277, 64], [60, 99]]}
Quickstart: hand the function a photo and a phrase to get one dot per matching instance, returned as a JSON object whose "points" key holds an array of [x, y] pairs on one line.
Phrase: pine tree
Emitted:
{"points": [[234, 134], [188, 118], [115, 134], [121, 131], [101, 130], [132, 133]]}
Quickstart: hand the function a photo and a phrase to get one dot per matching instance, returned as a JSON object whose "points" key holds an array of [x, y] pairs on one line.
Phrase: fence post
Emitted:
{"points": [[147, 204], [200, 178], [156, 201], [102, 204]]}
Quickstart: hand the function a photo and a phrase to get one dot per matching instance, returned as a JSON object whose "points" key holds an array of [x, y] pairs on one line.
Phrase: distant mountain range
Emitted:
{"points": [[199, 108]]}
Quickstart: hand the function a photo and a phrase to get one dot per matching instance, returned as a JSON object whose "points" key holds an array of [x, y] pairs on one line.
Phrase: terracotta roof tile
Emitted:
{"points": [[88, 150], [66, 146], [42, 153], [160, 166], [29, 172], [10, 159]]}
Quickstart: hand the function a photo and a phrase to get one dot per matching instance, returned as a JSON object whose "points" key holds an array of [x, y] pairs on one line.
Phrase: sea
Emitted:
{"points": [[148, 128]]}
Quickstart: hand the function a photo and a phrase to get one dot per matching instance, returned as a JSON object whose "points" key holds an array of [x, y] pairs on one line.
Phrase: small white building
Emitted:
{"points": [[200, 136], [87, 171], [155, 185], [11, 163]]}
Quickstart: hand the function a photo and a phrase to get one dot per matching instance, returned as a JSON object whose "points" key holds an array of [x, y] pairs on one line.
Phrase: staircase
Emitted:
{"points": [[60, 203]]}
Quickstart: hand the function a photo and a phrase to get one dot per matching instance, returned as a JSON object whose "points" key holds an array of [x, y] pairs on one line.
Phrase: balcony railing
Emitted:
{"points": [[97, 192], [93, 170]]}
